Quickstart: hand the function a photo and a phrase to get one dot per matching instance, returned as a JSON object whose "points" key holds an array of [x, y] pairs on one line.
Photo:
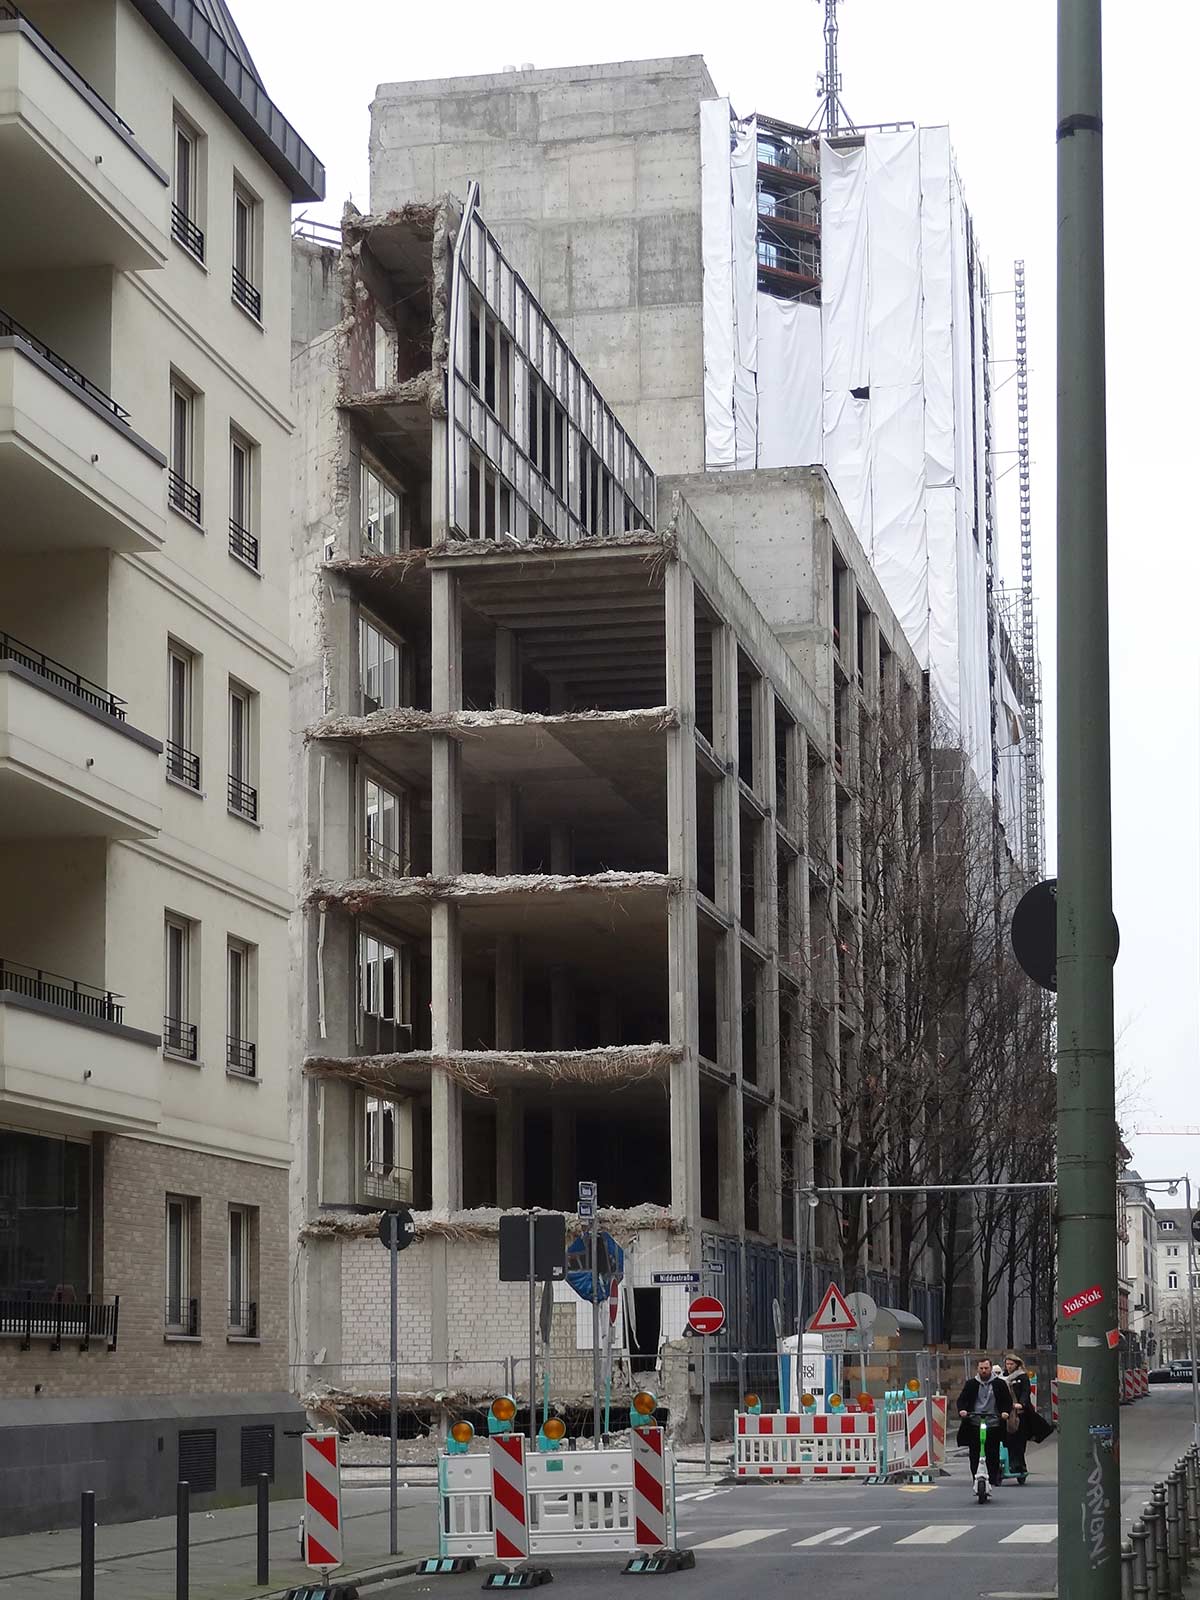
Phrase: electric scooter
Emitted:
{"points": [[1006, 1470], [983, 1489]]}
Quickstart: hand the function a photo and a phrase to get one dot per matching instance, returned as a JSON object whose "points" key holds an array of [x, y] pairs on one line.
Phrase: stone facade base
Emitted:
{"points": [[132, 1451]]}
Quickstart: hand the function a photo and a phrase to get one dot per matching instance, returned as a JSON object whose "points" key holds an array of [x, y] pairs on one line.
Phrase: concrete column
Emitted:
{"points": [[726, 816], [510, 1149], [770, 1178], [682, 932], [446, 952]]}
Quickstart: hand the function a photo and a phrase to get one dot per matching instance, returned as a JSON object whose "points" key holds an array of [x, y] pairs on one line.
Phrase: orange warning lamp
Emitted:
{"points": [[460, 1438], [642, 1408], [554, 1428], [753, 1404], [501, 1413], [913, 1386], [835, 1402], [867, 1402], [808, 1401]]}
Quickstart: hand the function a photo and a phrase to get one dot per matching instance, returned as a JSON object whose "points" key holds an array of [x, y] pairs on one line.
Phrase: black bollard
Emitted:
{"points": [[87, 1545], [182, 1510], [264, 1528]]}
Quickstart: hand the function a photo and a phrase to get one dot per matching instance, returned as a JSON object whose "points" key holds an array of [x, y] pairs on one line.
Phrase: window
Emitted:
{"points": [[185, 206], [243, 795], [182, 1308], [245, 265], [379, 666], [383, 994], [385, 830], [382, 508], [179, 1032], [182, 763], [239, 1045], [1167, 1227], [1172, 1280], [387, 1158], [181, 491], [1172, 1249], [242, 542], [243, 1311], [45, 1217]]}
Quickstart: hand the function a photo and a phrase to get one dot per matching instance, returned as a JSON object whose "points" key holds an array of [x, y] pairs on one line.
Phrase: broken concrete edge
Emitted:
{"points": [[382, 724], [483, 1071], [358, 893], [655, 547], [484, 1223]]}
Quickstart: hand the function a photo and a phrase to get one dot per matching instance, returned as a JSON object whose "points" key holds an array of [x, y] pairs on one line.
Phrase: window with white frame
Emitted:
{"points": [[386, 1149], [182, 474], [385, 829], [1167, 1227], [183, 764], [243, 1235], [382, 512], [185, 201], [380, 661], [182, 1305], [179, 1031], [240, 1048], [383, 991], [243, 790], [1172, 1280], [246, 290], [243, 542]]}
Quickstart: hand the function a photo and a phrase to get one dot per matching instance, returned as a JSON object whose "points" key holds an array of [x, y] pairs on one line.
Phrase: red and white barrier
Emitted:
{"points": [[807, 1445], [650, 1488], [937, 1428], [322, 1501], [1054, 1401], [510, 1505], [920, 1435]]}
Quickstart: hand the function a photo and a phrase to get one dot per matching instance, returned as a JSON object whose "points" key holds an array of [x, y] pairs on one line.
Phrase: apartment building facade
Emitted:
{"points": [[1176, 1297], [576, 833], [146, 181]]}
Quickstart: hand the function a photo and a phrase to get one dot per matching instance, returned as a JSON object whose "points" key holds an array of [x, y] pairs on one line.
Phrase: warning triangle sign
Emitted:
{"points": [[833, 1315]]}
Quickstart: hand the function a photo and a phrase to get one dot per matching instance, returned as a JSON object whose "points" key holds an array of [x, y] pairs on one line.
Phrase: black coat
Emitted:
{"points": [[966, 1402], [1033, 1426]]}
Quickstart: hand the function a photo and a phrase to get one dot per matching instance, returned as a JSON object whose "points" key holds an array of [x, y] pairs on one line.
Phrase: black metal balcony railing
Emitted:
{"points": [[179, 1038], [57, 1318], [183, 765], [243, 544], [383, 1036], [243, 1318], [54, 672], [183, 1316], [382, 860], [243, 799], [55, 990], [241, 1056], [182, 495], [246, 295], [11, 329], [186, 232]]}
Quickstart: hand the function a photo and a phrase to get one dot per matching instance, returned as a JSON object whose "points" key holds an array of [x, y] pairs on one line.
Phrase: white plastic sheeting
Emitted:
{"points": [[744, 182], [844, 295], [1009, 733], [716, 222], [789, 383], [893, 170]]}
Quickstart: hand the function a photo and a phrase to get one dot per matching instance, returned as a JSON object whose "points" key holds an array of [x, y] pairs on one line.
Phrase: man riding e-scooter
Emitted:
{"points": [[983, 1407]]}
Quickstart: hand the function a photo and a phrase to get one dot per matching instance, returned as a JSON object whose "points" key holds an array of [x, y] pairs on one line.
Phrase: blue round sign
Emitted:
{"points": [[610, 1264]]}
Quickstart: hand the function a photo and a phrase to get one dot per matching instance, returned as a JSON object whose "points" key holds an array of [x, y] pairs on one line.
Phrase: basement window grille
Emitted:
{"points": [[258, 1453], [198, 1459]]}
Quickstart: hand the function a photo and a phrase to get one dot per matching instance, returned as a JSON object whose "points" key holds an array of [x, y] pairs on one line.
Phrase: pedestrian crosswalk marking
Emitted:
{"points": [[875, 1527], [820, 1538], [1033, 1533], [938, 1533], [732, 1541]]}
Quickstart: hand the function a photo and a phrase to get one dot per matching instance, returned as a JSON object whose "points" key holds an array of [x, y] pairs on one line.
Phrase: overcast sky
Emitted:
{"points": [[988, 71]]}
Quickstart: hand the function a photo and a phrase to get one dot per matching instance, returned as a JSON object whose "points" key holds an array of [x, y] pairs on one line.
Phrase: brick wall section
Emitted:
{"points": [[137, 1176]]}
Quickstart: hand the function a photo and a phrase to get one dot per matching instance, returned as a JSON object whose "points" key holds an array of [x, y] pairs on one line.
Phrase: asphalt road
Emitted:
{"points": [[858, 1542]]}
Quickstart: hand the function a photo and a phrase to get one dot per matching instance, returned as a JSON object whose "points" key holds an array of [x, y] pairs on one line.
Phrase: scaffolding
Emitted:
{"points": [[788, 196], [1035, 818]]}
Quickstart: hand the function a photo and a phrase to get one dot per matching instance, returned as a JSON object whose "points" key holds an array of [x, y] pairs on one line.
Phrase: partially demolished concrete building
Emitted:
{"points": [[574, 830]]}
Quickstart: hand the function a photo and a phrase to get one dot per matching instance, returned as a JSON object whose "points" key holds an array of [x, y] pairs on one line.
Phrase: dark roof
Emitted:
{"points": [[202, 33]]}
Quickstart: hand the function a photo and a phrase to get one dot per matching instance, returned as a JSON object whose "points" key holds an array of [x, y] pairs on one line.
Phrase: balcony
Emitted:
{"points": [[108, 1081], [73, 472], [79, 1321], [240, 1057], [180, 1038], [246, 295], [243, 799], [70, 763], [243, 545], [185, 232], [76, 187]]}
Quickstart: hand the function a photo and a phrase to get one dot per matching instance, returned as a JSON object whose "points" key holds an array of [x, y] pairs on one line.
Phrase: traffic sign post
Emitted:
{"points": [[706, 1315], [588, 1197], [397, 1231]]}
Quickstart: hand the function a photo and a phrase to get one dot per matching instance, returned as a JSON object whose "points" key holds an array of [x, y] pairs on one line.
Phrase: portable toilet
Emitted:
{"points": [[815, 1373]]}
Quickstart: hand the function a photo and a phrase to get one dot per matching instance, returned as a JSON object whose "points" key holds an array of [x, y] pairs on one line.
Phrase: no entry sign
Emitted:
{"points": [[706, 1314]]}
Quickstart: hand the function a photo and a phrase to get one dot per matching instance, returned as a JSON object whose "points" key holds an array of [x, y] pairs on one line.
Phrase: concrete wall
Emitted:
{"points": [[590, 179]]}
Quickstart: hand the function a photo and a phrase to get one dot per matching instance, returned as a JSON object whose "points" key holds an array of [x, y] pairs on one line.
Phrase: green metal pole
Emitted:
{"points": [[1089, 1554]]}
